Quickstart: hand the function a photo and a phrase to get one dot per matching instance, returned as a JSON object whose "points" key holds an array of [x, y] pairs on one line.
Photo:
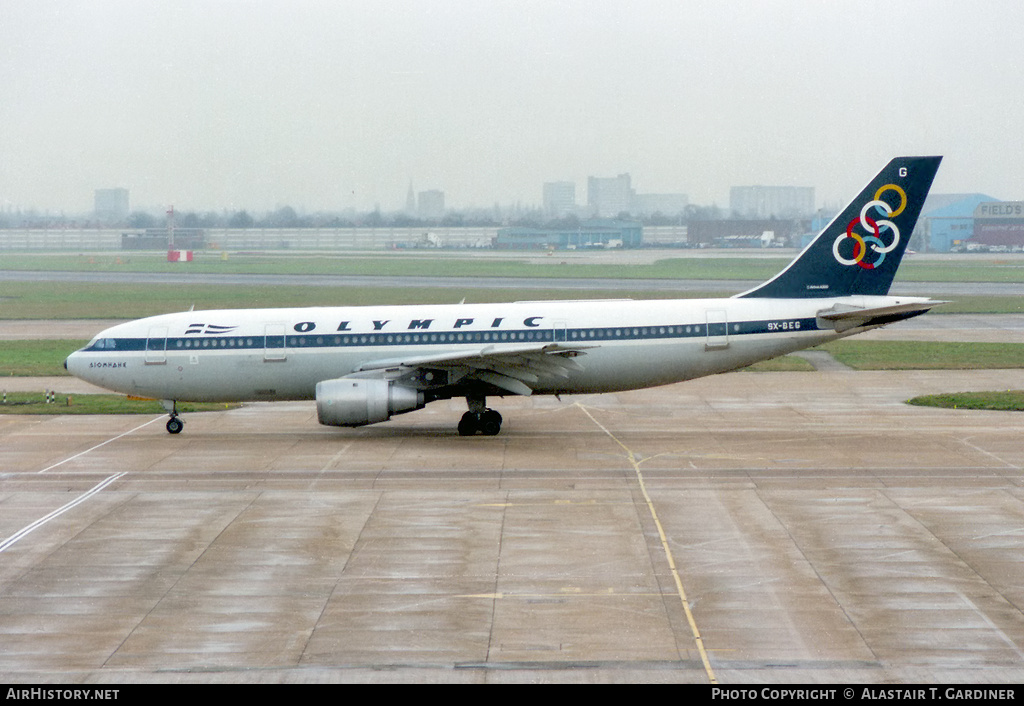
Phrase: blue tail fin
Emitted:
{"points": [[860, 250]]}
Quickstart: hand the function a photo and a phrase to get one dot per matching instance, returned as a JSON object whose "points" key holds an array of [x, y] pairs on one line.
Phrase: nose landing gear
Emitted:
{"points": [[174, 424]]}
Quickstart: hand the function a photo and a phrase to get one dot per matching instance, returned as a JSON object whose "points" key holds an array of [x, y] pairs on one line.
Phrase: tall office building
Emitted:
{"points": [[431, 204], [111, 204], [559, 198], [608, 197], [410, 201]]}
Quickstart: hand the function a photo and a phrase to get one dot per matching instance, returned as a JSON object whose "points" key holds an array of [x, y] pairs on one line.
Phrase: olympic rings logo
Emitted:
{"points": [[875, 227]]}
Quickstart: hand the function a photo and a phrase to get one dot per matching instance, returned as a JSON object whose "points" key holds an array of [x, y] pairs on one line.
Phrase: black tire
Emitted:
{"points": [[468, 424], [490, 423], [175, 425]]}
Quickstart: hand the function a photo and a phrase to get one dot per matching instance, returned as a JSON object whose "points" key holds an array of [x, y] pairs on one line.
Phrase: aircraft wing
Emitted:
{"points": [[511, 367]]}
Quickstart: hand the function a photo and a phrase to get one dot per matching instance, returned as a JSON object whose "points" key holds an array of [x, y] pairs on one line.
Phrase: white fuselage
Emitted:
{"points": [[281, 354]]}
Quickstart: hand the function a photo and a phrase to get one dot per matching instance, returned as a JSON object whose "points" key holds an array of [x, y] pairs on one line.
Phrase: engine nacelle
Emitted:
{"points": [[353, 402]]}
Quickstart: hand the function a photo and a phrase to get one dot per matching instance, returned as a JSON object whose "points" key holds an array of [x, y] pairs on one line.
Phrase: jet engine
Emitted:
{"points": [[353, 402]]}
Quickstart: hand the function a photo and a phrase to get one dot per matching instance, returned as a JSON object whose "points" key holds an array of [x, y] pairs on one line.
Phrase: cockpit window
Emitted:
{"points": [[104, 344]]}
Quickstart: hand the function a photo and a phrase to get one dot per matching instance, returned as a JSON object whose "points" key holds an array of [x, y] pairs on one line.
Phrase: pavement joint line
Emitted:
{"points": [[635, 462]]}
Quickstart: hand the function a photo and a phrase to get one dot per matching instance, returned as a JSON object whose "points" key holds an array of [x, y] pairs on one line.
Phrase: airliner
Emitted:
{"points": [[362, 365]]}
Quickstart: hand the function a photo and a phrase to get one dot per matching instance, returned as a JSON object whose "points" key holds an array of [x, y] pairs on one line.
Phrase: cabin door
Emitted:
{"points": [[156, 346], [718, 330], [273, 347]]}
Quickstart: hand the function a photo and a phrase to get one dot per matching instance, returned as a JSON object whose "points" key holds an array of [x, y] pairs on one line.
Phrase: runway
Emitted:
{"points": [[749, 527]]}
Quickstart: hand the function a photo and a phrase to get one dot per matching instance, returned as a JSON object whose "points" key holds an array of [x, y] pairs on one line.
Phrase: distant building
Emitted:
{"points": [[999, 224], [608, 197], [964, 223], [431, 204], [771, 201], [559, 198], [597, 233], [947, 221], [611, 197], [111, 204], [410, 201]]}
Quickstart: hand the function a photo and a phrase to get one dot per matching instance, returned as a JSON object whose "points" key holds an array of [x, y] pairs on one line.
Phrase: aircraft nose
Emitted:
{"points": [[71, 364]]}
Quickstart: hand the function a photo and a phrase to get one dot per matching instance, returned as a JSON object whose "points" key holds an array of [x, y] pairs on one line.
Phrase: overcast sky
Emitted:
{"points": [[326, 105]]}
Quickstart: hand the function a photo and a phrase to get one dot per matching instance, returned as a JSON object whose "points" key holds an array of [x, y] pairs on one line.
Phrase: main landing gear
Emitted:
{"points": [[479, 418], [174, 424]]}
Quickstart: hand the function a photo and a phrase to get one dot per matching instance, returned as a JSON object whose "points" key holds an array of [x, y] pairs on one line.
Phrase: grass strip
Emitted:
{"points": [[63, 403], [75, 300], [926, 355], [785, 364], [1008, 401], [35, 358]]}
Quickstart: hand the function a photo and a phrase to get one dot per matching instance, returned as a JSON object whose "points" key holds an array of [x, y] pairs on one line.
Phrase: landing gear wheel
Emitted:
{"points": [[468, 424], [174, 425], [490, 423], [487, 423]]}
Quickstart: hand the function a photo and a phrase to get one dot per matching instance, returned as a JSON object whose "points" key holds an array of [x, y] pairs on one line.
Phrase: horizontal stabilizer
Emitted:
{"points": [[843, 317]]}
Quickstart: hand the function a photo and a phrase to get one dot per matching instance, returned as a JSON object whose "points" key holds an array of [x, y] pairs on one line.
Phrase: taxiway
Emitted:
{"points": [[749, 527]]}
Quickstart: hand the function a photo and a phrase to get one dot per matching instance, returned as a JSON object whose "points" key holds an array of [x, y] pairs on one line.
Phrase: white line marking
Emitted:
{"points": [[58, 512], [635, 461], [81, 498], [83, 453]]}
